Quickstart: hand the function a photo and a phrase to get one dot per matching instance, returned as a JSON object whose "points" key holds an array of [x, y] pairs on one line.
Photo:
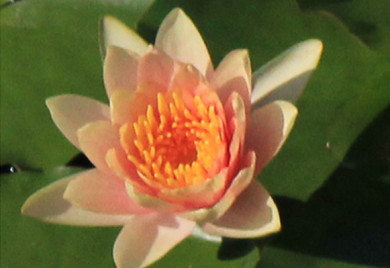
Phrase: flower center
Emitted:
{"points": [[176, 145]]}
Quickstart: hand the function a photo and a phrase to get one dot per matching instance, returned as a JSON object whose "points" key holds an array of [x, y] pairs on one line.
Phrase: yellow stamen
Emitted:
{"points": [[173, 145]]}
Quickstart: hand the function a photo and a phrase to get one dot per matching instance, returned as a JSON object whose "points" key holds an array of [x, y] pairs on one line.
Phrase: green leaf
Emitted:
{"points": [[279, 258], [49, 48], [346, 92], [26, 242], [370, 23]]}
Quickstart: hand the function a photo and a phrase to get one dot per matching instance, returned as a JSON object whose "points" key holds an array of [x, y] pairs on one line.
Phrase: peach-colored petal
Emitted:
{"points": [[156, 67], [147, 238], [253, 214], [120, 106], [284, 77], [290, 113], [151, 202], [188, 78], [236, 116], [124, 169], [239, 183], [180, 39], [268, 128], [120, 70], [126, 106], [48, 205], [115, 33], [70, 112], [234, 74], [95, 140], [199, 195], [95, 191]]}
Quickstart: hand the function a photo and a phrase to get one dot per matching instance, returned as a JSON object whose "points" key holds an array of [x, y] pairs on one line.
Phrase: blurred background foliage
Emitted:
{"points": [[331, 180]]}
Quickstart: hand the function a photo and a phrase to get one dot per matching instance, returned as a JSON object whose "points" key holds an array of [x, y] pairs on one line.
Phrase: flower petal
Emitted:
{"points": [[147, 238], [156, 68], [199, 195], [48, 205], [125, 170], [120, 70], [180, 39], [120, 106], [151, 202], [234, 75], [115, 33], [95, 140], [253, 214], [71, 112], [236, 117], [239, 183], [269, 127], [94, 191], [126, 106], [284, 77]]}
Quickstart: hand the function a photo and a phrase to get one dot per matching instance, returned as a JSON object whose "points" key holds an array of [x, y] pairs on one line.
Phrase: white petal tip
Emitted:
{"points": [[114, 32], [311, 48], [285, 76]]}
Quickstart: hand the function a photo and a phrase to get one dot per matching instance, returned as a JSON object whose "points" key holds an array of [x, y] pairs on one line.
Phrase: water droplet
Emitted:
{"points": [[9, 168], [327, 144]]}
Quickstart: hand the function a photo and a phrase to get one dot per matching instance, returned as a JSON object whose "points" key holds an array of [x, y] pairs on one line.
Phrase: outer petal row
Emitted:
{"points": [[180, 39], [253, 214], [94, 191], [284, 77], [120, 70], [48, 205], [268, 128], [145, 239], [71, 112], [115, 33]]}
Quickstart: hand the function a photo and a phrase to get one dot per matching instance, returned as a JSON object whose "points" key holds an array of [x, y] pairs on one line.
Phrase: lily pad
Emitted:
{"points": [[279, 258]]}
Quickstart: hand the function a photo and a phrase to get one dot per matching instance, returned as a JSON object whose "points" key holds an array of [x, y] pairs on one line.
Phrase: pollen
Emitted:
{"points": [[172, 145]]}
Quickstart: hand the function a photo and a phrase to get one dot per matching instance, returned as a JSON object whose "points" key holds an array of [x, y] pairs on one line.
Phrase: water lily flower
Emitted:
{"points": [[179, 144]]}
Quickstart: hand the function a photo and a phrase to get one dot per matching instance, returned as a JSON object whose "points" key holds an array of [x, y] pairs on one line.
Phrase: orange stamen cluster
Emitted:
{"points": [[175, 146]]}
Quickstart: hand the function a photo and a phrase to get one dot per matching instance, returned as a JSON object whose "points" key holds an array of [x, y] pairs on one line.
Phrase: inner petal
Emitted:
{"points": [[173, 145]]}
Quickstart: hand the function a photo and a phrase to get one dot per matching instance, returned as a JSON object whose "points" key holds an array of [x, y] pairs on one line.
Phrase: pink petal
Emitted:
{"points": [[268, 129], [120, 106], [115, 33], [151, 202], [71, 112], [147, 238], [204, 194], [284, 77], [95, 191], [239, 183], [48, 205], [126, 105], [180, 39], [156, 68], [124, 169], [236, 117], [95, 140], [234, 74], [120, 70], [188, 78], [253, 214]]}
